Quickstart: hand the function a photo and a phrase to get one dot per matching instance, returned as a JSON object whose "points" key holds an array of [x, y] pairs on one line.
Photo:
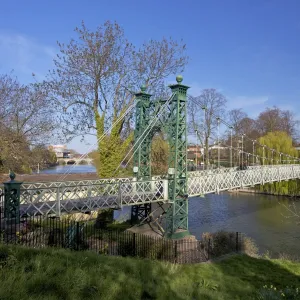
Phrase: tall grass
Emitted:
{"points": [[62, 274]]}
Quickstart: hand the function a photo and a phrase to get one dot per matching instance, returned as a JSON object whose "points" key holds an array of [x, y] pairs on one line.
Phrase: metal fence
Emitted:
{"points": [[40, 232]]}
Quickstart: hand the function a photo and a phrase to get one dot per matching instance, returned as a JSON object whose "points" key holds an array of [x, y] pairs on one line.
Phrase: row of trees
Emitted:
{"points": [[204, 122]]}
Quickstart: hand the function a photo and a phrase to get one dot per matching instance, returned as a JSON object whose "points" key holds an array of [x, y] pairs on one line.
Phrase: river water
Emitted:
{"points": [[261, 217], [72, 168]]}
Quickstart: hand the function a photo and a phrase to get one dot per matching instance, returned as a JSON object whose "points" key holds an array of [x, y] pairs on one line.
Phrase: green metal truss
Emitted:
{"points": [[142, 150], [175, 125], [177, 215]]}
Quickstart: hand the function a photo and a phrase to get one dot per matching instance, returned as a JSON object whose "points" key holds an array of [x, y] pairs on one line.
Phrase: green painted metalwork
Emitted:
{"points": [[174, 122], [142, 156], [12, 198], [177, 215]]}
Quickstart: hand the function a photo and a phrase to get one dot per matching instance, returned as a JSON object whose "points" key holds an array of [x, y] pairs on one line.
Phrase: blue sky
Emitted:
{"points": [[248, 49]]}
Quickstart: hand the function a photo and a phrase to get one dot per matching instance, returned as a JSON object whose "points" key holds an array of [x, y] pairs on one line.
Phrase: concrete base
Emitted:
{"points": [[146, 229]]}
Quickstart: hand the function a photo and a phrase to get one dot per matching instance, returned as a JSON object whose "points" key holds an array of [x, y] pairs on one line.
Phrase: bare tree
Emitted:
{"points": [[235, 117], [25, 110], [95, 78], [275, 119], [203, 121], [26, 122]]}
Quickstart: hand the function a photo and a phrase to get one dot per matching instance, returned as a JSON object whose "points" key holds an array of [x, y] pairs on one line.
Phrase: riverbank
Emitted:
{"points": [[62, 274]]}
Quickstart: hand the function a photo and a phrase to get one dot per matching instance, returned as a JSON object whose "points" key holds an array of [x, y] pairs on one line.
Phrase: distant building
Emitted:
{"points": [[60, 151]]}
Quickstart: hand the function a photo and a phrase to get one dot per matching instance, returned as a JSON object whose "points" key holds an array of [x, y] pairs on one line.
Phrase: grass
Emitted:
{"points": [[61, 274]]}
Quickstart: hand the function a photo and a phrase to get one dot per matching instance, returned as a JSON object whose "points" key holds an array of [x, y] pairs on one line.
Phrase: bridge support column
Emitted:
{"points": [[177, 215], [142, 157]]}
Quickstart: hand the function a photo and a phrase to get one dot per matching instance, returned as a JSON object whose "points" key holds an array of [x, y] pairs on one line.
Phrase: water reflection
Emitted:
{"points": [[259, 216]]}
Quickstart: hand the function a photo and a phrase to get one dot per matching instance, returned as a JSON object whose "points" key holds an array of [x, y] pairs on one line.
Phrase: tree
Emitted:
{"points": [[26, 123], [14, 151], [94, 79], [275, 119], [204, 122], [26, 110], [281, 142], [159, 155]]}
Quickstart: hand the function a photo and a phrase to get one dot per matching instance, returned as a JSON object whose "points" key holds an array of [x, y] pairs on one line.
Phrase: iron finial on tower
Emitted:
{"points": [[143, 88], [179, 79]]}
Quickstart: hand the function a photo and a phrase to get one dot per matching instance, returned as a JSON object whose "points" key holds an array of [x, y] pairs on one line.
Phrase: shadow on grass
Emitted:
{"points": [[61, 274], [242, 276]]}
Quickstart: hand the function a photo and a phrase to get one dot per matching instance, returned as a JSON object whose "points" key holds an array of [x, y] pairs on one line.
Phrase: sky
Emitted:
{"points": [[247, 49]]}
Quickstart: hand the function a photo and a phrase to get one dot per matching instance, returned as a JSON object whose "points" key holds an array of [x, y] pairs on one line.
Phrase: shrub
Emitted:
{"points": [[222, 242], [272, 293], [145, 247]]}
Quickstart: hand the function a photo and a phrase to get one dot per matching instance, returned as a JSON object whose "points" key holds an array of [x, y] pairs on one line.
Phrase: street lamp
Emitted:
{"points": [[203, 107], [218, 121], [231, 127], [253, 150], [196, 131]]}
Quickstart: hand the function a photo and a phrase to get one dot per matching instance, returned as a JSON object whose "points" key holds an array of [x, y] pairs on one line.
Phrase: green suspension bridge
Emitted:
{"points": [[142, 189]]}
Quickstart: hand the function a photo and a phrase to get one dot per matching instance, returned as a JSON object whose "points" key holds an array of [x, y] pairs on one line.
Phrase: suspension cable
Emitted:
{"points": [[146, 132], [119, 119]]}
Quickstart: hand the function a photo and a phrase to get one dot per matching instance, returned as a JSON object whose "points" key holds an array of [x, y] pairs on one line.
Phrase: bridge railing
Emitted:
{"points": [[90, 197], [212, 182]]}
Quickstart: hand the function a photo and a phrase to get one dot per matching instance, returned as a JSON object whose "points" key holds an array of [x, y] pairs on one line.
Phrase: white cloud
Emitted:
{"points": [[25, 56]]}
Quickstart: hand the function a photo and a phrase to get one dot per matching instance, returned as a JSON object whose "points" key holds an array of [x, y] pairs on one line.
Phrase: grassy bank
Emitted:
{"points": [[61, 274]]}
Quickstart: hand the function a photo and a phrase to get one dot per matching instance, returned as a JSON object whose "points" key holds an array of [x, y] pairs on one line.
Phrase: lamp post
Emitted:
{"points": [[204, 140], [196, 131], [231, 127], [253, 150], [242, 149], [218, 122]]}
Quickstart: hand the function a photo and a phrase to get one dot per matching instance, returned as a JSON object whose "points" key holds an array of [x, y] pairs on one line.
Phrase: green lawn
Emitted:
{"points": [[61, 274]]}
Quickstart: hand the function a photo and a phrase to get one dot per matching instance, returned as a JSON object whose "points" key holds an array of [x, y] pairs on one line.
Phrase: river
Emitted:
{"points": [[260, 217], [72, 168]]}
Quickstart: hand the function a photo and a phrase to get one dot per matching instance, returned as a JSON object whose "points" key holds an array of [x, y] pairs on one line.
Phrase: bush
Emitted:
{"points": [[223, 242], [272, 293], [145, 247], [83, 162]]}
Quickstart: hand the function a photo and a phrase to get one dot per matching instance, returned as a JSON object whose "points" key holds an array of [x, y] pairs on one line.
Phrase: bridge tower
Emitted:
{"points": [[177, 214], [142, 157]]}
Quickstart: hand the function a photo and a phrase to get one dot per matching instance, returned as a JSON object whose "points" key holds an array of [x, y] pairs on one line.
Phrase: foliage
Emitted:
{"points": [[26, 121], [282, 143], [273, 293], [135, 245], [62, 274], [159, 155], [223, 242]]}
